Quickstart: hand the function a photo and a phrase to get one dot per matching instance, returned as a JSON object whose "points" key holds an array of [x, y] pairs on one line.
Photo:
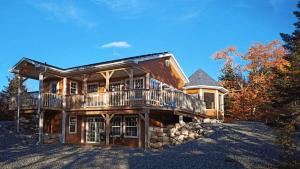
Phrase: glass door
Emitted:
{"points": [[95, 130]]}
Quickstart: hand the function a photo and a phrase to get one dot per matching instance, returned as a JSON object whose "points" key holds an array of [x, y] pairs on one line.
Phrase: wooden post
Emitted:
{"points": [[82, 129], [20, 81], [140, 129], [107, 119], [181, 119], [107, 75], [84, 91], [40, 112], [63, 123], [217, 103], [201, 94], [147, 138]]}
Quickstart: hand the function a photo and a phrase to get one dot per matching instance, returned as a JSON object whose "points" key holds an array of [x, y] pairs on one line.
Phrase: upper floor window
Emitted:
{"points": [[92, 88], [73, 87], [209, 99], [138, 83], [114, 86], [54, 87], [154, 84]]}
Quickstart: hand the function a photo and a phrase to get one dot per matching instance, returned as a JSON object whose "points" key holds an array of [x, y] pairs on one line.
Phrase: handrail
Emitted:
{"points": [[135, 97]]}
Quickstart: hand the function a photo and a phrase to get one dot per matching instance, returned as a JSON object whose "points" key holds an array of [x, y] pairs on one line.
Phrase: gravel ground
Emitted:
{"points": [[238, 145]]}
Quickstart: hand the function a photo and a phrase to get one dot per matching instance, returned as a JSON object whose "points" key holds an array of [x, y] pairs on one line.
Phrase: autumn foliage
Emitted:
{"points": [[249, 83]]}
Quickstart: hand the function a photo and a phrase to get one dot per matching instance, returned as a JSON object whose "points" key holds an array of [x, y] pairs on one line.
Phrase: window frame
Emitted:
{"points": [[73, 132], [214, 100], [134, 79], [93, 83], [114, 126], [114, 83], [76, 92], [125, 126]]}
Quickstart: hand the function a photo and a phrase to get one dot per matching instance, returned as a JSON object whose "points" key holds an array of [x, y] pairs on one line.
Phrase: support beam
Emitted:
{"points": [[147, 131], [19, 100], [107, 119], [40, 111], [181, 119], [64, 104], [217, 103], [84, 88], [201, 94], [82, 129]]}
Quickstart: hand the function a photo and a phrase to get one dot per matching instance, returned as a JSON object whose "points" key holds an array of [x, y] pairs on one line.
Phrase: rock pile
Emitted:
{"points": [[29, 124], [177, 134], [51, 138]]}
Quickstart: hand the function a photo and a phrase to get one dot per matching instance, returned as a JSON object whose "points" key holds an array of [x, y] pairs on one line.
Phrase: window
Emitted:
{"points": [[54, 87], [154, 84], [138, 83], [73, 87], [115, 126], [92, 88], [131, 129], [72, 124], [209, 99], [115, 86]]}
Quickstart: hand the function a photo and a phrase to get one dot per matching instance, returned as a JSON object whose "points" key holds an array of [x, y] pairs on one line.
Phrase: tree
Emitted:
{"points": [[7, 93], [250, 95]]}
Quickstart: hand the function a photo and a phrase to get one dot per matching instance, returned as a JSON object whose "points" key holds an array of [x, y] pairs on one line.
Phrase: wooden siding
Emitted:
{"points": [[166, 74], [52, 122]]}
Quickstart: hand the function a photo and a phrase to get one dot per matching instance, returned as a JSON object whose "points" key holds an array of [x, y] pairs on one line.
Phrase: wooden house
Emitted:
{"points": [[113, 102]]}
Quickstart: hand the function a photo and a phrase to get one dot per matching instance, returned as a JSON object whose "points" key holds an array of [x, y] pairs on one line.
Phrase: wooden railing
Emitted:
{"points": [[138, 97], [30, 100]]}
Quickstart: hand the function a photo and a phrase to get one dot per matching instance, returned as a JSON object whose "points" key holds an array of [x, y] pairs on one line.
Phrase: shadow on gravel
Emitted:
{"points": [[231, 146]]}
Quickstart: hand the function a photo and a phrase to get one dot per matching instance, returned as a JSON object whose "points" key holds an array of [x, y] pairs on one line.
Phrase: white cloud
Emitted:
{"points": [[64, 12], [120, 44]]}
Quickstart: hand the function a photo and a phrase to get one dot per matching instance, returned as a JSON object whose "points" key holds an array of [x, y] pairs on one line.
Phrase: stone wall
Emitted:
{"points": [[178, 133]]}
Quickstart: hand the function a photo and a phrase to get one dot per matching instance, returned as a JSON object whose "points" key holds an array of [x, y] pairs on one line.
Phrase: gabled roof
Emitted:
{"points": [[200, 77], [133, 59]]}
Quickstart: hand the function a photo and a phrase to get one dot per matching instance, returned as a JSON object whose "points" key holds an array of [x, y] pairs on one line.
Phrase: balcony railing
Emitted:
{"points": [[30, 100], [127, 98], [138, 97]]}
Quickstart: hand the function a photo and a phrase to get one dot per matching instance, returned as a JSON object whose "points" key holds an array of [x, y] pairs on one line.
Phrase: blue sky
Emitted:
{"points": [[70, 33]]}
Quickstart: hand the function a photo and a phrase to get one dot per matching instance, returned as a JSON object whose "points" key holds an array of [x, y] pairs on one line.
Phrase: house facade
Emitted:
{"points": [[113, 102]]}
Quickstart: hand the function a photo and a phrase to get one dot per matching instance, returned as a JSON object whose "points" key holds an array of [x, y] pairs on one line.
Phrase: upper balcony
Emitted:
{"points": [[136, 98]]}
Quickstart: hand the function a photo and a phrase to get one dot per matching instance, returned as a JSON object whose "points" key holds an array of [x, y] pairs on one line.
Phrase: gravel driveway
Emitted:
{"points": [[238, 145]]}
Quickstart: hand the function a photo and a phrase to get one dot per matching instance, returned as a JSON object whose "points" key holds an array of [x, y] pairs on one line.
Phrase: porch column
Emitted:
{"points": [[146, 121], [107, 75], [84, 89], [64, 104], [181, 119], [130, 74], [39, 110], [201, 94], [217, 103], [107, 119], [82, 129], [19, 100]]}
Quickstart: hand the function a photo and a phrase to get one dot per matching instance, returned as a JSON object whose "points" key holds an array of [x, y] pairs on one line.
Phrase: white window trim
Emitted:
{"points": [[124, 127], [116, 82], [57, 86], [118, 126], [136, 78], [70, 125], [71, 87], [93, 83]]}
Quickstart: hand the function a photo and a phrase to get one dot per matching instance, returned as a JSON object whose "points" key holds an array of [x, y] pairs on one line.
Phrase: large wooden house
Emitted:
{"points": [[115, 102]]}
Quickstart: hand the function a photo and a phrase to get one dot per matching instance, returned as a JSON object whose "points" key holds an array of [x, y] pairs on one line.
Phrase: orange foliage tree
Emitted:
{"points": [[249, 90]]}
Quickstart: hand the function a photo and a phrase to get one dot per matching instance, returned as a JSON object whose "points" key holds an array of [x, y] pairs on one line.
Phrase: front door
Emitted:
{"points": [[95, 130]]}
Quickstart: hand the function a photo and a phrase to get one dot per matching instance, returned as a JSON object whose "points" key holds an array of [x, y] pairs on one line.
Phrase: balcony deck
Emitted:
{"points": [[136, 98]]}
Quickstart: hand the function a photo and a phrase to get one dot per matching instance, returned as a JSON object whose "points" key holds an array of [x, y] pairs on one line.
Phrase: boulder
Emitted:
{"points": [[185, 132], [180, 138], [206, 120], [156, 145]]}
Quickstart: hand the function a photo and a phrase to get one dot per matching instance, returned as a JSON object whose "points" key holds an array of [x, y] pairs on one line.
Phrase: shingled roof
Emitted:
{"points": [[200, 77]]}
